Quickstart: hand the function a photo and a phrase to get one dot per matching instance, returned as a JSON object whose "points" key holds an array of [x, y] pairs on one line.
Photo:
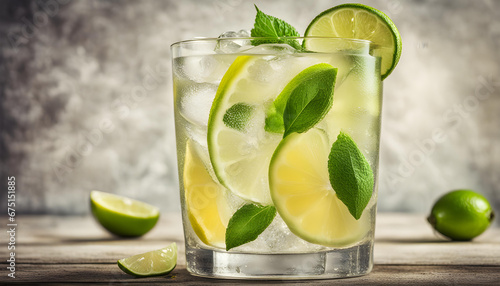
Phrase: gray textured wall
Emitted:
{"points": [[86, 97]]}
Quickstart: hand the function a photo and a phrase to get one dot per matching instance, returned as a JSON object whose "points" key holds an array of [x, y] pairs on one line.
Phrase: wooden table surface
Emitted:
{"points": [[76, 250]]}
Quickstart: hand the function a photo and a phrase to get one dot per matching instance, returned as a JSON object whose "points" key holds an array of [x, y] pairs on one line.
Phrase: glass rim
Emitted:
{"points": [[211, 39]]}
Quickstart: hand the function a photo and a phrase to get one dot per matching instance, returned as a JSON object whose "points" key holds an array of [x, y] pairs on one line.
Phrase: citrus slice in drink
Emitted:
{"points": [[123, 216], [357, 21], [153, 263], [303, 196], [206, 203], [240, 149]]}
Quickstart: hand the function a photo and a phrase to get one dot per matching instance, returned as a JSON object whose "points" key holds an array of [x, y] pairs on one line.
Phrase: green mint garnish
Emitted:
{"points": [[238, 116], [350, 175], [274, 120], [311, 100], [304, 101], [247, 223], [272, 27]]}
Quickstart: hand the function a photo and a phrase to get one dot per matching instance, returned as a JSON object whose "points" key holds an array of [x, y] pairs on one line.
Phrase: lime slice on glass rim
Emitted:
{"points": [[152, 263], [358, 21], [123, 216], [206, 203], [303, 196]]}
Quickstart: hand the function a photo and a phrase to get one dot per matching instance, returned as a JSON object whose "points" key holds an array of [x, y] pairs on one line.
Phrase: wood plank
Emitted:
{"points": [[71, 229], [437, 253], [91, 252], [382, 274], [415, 253], [400, 239], [409, 239], [53, 239]]}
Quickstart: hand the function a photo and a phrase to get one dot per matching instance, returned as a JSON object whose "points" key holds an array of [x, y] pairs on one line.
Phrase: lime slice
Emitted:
{"points": [[240, 156], [240, 147], [153, 263], [207, 207], [303, 196], [123, 216], [357, 21]]}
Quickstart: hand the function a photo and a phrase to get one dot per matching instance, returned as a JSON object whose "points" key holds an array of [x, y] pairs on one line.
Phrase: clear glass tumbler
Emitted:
{"points": [[263, 129]]}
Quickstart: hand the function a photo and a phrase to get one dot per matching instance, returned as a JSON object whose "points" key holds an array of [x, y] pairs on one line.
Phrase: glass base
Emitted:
{"points": [[339, 263]]}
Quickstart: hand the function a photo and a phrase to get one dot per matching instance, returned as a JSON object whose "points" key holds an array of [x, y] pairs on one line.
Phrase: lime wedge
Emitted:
{"points": [[123, 216], [153, 263], [303, 196], [357, 21], [207, 206]]}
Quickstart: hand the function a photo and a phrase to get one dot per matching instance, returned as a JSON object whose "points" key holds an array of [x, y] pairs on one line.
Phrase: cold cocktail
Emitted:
{"points": [[278, 145]]}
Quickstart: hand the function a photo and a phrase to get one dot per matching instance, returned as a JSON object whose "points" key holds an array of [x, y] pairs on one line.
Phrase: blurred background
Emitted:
{"points": [[86, 97]]}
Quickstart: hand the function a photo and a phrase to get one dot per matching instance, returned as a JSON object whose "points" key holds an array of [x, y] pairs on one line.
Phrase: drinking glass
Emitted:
{"points": [[235, 157]]}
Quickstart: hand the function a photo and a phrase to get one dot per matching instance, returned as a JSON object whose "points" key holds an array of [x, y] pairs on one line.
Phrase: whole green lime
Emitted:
{"points": [[461, 215]]}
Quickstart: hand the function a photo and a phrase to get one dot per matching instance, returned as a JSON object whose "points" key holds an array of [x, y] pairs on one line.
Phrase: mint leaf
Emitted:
{"points": [[272, 27], [310, 100], [238, 116], [247, 223], [350, 175], [324, 73], [274, 121]]}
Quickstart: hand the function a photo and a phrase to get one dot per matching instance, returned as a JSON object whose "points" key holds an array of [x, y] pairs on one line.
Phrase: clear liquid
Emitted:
{"points": [[278, 252]]}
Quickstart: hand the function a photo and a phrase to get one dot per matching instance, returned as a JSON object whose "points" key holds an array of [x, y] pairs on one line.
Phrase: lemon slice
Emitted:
{"points": [[303, 196], [153, 263], [207, 205], [123, 216], [357, 21]]}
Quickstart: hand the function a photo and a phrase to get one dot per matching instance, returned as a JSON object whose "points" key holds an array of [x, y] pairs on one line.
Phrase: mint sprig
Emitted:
{"points": [[247, 223], [350, 174], [273, 29]]}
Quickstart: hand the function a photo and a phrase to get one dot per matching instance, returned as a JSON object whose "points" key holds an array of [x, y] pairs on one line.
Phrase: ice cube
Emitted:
{"points": [[271, 49], [201, 69], [278, 64], [196, 101], [243, 33], [197, 134], [229, 42], [234, 201], [277, 238], [228, 34]]}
